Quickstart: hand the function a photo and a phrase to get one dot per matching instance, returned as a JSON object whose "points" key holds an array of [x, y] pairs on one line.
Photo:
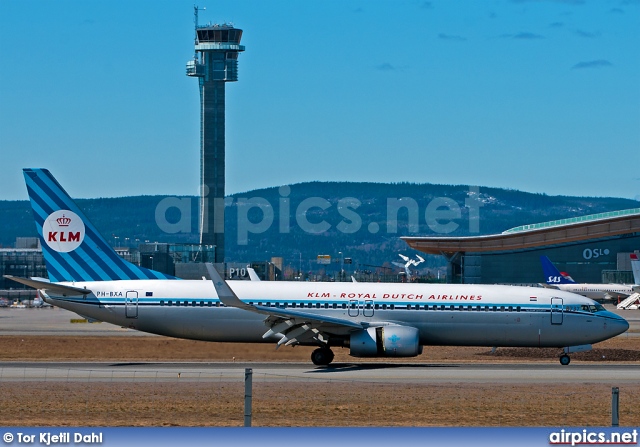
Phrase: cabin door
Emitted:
{"points": [[367, 308], [131, 305], [557, 311], [354, 310]]}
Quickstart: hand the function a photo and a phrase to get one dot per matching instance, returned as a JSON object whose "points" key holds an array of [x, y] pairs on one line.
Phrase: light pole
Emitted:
{"points": [[341, 264]]}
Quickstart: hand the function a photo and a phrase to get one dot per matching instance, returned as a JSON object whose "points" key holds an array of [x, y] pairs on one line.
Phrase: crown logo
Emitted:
{"points": [[63, 221]]}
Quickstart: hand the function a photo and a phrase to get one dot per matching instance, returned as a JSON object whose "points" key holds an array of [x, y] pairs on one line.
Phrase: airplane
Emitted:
{"points": [[39, 302], [371, 319], [561, 280], [407, 263]]}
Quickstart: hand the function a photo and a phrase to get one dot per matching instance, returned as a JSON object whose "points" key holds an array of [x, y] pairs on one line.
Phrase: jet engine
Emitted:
{"points": [[385, 341]]}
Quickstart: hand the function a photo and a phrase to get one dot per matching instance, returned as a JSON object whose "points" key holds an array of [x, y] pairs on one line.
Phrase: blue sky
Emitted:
{"points": [[541, 96]]}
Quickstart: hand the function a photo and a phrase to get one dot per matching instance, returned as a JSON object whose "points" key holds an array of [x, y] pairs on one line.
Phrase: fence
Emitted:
{"points": [[78, 397]]}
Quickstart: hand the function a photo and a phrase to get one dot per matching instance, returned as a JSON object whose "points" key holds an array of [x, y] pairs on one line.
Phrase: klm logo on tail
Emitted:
{"points": [[552, 275], [63, 231], [72, 247]]}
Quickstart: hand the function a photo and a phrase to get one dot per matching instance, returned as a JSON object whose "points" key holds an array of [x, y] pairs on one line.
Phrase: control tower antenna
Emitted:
{"points": [[215, 63], [195, 21]]}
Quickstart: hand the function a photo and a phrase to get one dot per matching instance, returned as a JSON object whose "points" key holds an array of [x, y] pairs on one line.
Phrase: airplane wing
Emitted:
{"points": [[294, 326], [51, 286]]}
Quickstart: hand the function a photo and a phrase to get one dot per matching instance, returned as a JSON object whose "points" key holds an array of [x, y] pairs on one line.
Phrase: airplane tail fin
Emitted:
{"points": [[552, 275], [635, 266], [72, 247]]}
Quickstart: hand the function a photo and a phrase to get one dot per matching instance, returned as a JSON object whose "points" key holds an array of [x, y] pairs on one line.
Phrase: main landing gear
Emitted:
{"points": [[564, 359], [322, 356]]}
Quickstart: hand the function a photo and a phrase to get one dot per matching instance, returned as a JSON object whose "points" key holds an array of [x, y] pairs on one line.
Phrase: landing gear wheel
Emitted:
{"points": [[564, 359], [322, 356]]}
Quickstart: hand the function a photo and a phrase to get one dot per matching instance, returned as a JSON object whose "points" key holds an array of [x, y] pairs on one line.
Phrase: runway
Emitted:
{"points": [[359, 372], [57, 322]]}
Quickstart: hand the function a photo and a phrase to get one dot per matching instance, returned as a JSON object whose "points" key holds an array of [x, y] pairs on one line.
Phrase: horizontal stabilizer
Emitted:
{"points": [[50, 286]]}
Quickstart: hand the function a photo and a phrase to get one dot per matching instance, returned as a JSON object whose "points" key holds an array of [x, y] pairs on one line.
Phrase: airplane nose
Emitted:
{"points": [[617, 324]]}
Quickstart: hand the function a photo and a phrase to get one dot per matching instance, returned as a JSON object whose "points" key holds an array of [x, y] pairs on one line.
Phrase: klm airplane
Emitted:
{"points": [[370, 319]]}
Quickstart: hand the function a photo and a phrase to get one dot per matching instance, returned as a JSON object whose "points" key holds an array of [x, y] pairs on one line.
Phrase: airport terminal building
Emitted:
{"points": [[592, 249]]}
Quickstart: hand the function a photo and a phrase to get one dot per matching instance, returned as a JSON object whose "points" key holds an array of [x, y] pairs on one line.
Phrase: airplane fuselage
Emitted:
{"points": [[470, 315], [597, 291]]}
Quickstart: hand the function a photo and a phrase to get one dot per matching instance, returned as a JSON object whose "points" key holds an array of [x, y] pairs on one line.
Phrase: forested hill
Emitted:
{"points": [[362, 220]]}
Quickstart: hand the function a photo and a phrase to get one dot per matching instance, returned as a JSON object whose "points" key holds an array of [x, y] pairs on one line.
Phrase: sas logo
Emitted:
{"points": [[554, 279], [63, 231]]}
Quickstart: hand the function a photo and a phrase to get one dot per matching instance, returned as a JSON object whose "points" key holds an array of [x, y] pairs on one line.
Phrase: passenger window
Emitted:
{"points": [[384, 307], [376, 307], [344, 305], [391, 306], [335, 305]]}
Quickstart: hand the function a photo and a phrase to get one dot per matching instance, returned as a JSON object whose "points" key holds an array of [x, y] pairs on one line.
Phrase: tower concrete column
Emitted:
{"points": [[215, 62]]}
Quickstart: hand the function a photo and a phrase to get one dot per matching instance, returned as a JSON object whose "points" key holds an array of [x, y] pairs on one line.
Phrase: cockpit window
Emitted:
{"points": [[592, 308]]}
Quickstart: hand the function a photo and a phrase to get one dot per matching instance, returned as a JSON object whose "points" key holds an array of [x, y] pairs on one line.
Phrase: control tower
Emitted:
{"points": [[215, 62]]}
